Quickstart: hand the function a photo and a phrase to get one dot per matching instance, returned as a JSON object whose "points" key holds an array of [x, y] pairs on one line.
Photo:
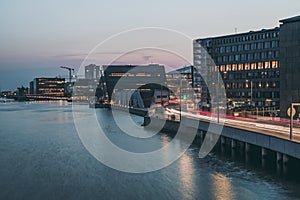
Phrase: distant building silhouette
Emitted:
{"points": [[92, 71], [48, 87]]}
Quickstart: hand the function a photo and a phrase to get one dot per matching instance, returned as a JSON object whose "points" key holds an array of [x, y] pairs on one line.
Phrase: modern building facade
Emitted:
{"points": [[85, 90], [289, 57], [248, 65], [181, 85], [258, 67], [134, 84], [54, 87]]}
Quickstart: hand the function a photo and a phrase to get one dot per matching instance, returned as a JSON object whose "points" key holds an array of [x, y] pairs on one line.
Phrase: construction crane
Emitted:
{"points": [[70, 72]]}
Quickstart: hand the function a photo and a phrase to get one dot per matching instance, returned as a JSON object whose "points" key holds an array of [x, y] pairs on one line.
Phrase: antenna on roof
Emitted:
{"points": [[235, 30]]}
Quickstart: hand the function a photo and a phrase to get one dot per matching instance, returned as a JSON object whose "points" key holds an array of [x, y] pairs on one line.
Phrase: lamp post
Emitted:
{"points": [[251, 90], [218, 104], [180, 96]]}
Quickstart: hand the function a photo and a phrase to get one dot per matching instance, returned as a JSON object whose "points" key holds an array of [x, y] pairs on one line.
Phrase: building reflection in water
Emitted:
{"points": [[186, 176], [222, 188]]}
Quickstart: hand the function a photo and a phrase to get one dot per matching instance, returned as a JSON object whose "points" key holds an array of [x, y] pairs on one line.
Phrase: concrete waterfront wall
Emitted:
{"points": [[281, 146], [280, 153], [273, 143]]}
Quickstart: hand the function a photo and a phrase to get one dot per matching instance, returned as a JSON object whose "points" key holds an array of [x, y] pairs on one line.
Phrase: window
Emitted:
{"points": [[222, 68], [270, 54], [234, 67], [247, 47], [247, 66], [243, 57], [274, 64], [253, 65], [263, 55], [240, 47], [234, 48], [228, 49], [228, 67], [274, 44], [237, 57], [241, 67], [259, 65], [253, 46], [267, 45], [219, 59], [267, 65], [222, 49], [260, 45], [250, 56]]}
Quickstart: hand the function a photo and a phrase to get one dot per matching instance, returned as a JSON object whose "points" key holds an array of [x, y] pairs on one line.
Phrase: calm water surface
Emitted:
{"points": [[41, 157]]}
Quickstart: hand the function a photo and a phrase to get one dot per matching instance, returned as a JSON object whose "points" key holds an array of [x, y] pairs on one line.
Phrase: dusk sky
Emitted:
{"points": [[36, 37]]}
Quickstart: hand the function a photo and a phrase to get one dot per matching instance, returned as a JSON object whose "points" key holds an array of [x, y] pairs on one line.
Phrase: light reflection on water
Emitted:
{"points": [[222, 187], [41, 157], [186, 175]]}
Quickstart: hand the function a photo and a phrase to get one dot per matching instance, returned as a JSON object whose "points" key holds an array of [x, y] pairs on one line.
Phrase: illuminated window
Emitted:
{"points": [[247, 84], [247, 66], [267, 65], [228, 67], [253, 65], [222, 68], [143, 74], [275, 64], [259, 65], [117, 74], [241, 67], [213, 69], [234, 67]]}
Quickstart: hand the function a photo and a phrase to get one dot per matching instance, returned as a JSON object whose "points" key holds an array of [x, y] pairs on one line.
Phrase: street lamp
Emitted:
{"points": [[180, 99], [218, 104]]}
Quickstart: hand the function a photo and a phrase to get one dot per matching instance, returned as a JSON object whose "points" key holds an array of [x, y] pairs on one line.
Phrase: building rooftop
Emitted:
{"points": [[291, 19], [238, 34]]}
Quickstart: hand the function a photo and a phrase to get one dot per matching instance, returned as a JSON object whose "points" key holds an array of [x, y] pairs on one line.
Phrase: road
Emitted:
{"points": [[259, 127]]}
